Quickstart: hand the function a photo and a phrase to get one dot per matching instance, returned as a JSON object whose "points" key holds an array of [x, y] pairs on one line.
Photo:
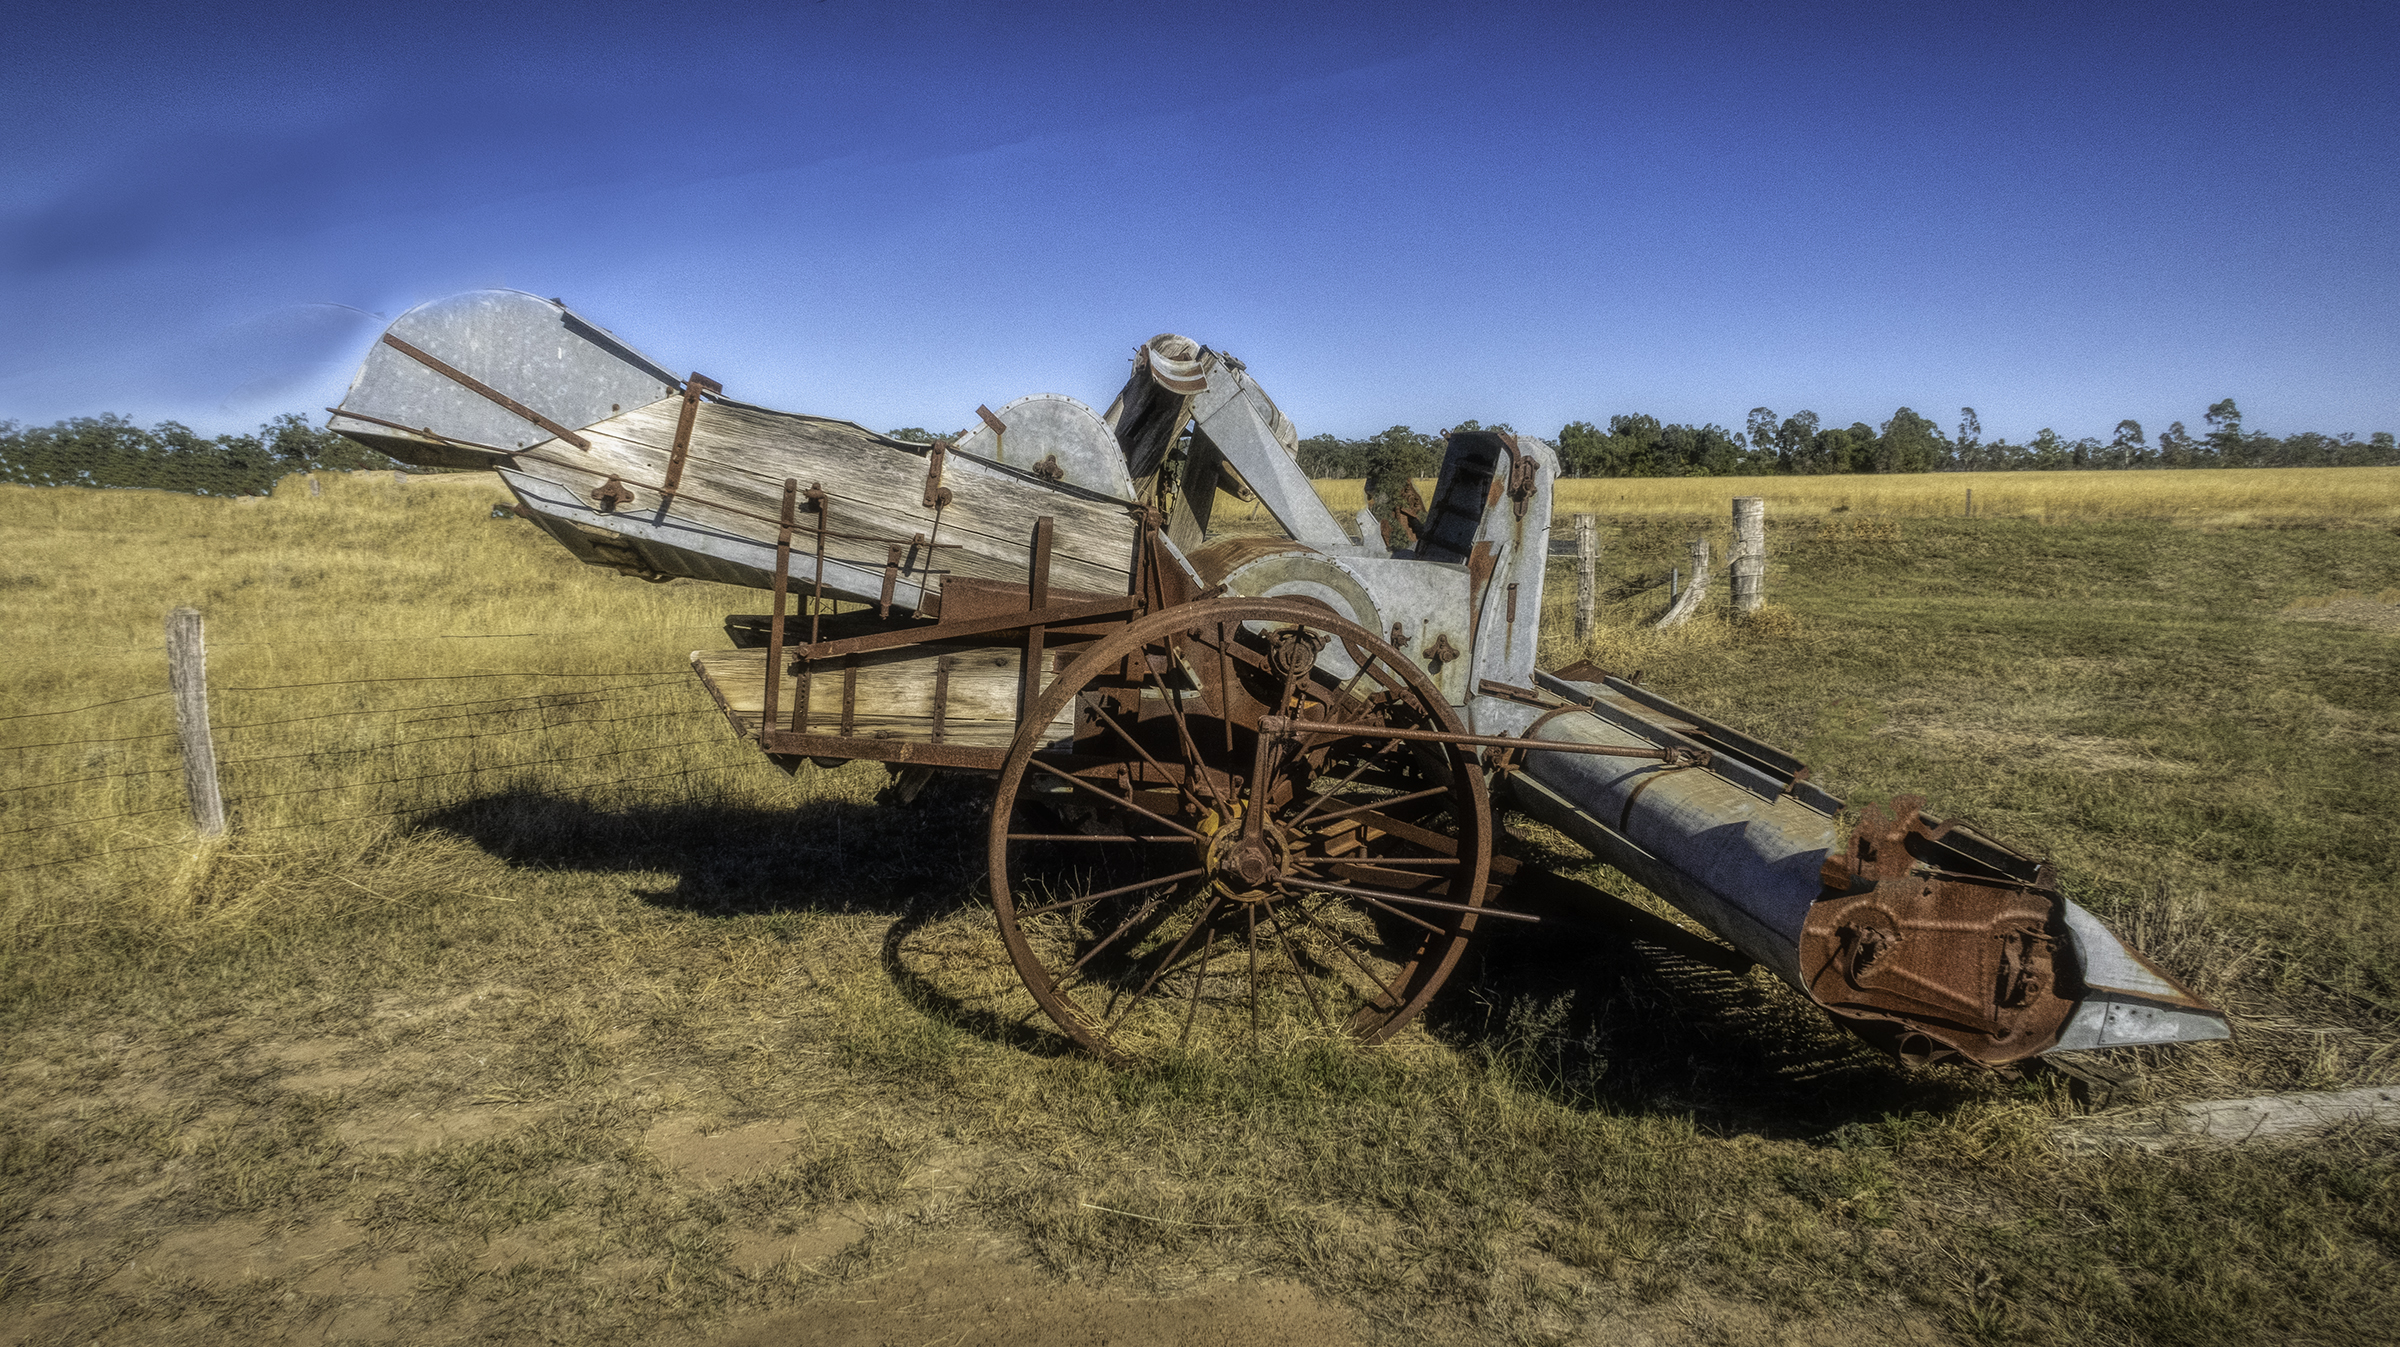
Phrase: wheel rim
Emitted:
{"points": [[1147, 914]]}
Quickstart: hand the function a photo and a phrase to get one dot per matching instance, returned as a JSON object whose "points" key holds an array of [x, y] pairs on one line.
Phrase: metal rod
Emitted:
{"points": [[769, 704], [1385, 895], [1287, 725]]}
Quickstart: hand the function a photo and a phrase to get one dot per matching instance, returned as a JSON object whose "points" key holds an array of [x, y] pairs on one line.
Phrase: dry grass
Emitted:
{"points": [[2228, 496], [555, 1052]]}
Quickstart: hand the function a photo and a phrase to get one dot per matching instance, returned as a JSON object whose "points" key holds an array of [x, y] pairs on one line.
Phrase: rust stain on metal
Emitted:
{"points": [[1928, 951]]}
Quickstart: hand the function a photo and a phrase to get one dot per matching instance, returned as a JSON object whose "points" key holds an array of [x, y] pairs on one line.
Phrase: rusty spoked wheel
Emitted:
{"points": [[1173, 876]]}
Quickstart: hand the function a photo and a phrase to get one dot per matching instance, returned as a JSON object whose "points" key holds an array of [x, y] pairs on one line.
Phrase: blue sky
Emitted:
{"points": [[1395, 213]]}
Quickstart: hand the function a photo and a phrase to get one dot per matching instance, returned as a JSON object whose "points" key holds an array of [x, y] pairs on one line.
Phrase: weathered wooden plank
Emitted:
{"points": [[740, 456], [895, 694]]}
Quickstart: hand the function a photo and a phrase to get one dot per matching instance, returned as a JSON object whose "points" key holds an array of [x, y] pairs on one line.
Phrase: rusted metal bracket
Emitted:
{"points": [[936, 495], [783, 573], [816, 605], [1441, 652], [474, 385], [613, 495], [891, 577], [693, 388], [1492, 687], [1037, 598], [999, 433]]}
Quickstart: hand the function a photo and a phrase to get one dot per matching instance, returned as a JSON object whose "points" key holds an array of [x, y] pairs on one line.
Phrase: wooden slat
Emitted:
{"points": [[740, 456], [895, 693]]}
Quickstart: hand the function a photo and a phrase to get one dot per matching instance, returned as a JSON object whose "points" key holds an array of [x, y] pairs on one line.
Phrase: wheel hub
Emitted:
{"points": [[1246, 871]]}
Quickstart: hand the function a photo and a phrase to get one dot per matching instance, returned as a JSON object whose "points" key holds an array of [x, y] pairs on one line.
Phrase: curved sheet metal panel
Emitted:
{"points": [[533, 351]]}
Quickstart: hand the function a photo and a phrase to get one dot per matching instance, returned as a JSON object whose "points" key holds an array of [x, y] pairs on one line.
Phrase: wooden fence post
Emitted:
{"points": [[1587, 574], [1970, 502], [1749, 553], [187, 676], [1693, 593]]}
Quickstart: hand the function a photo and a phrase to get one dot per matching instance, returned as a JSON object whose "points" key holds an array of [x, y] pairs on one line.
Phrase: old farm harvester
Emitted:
{"points": [[1252, 779]]}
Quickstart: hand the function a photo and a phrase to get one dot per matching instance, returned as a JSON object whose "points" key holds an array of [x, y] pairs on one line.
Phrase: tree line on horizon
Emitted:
{"points": [[112, 451], [1636, 445]]}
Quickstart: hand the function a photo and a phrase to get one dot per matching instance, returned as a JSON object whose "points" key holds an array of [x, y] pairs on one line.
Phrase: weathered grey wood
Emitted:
{"points": [[733, 476], [187, 677], [1587, 574], [1749, 553], [1695, 592], [896, 693]]}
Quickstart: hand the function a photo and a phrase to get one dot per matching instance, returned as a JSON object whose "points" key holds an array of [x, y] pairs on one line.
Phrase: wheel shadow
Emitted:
{"points": [[827, 855], [1598, 1022]]}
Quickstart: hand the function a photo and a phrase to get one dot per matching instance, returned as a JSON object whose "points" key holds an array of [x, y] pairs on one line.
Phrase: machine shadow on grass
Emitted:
{"points": [[1589, 1019]]}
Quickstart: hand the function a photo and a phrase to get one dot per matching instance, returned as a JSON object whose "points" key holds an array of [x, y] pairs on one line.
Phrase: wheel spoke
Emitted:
{"points": [[1348, 953], [1128, 924], [1118, 800], [1180, 784], [1169, 962], [1320, 886], [1250, 915], [1372, 660], [1183, 729], [1208, 950], [1323, 796], [1410, 898], [1287, 944], [1111, 893], [1381, 802]]}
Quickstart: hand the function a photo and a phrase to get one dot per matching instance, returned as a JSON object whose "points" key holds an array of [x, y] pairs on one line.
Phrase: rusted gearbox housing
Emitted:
{"points": [[1937, 943]]}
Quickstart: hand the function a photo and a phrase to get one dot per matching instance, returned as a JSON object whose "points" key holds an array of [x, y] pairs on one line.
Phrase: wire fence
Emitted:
{"points": [[90, 777]]}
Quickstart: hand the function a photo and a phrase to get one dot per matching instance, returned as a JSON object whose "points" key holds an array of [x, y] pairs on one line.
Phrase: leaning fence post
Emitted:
{"points": [[1587, 574], [1749, 553], [1690, 601], [187, 677]]}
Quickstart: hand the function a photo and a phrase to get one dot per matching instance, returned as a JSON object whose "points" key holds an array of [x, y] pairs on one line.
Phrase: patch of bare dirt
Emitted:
{"points": [[2349, 610], [700, 1153], [949, 1297]]}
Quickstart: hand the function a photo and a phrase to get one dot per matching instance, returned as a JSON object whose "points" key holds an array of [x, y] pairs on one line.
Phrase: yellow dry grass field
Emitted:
{"points": [[524, 1002], [2214, 496]]}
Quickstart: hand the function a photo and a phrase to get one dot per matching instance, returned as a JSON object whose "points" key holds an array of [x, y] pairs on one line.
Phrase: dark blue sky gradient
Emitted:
{"points": [[1395, 213]]}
